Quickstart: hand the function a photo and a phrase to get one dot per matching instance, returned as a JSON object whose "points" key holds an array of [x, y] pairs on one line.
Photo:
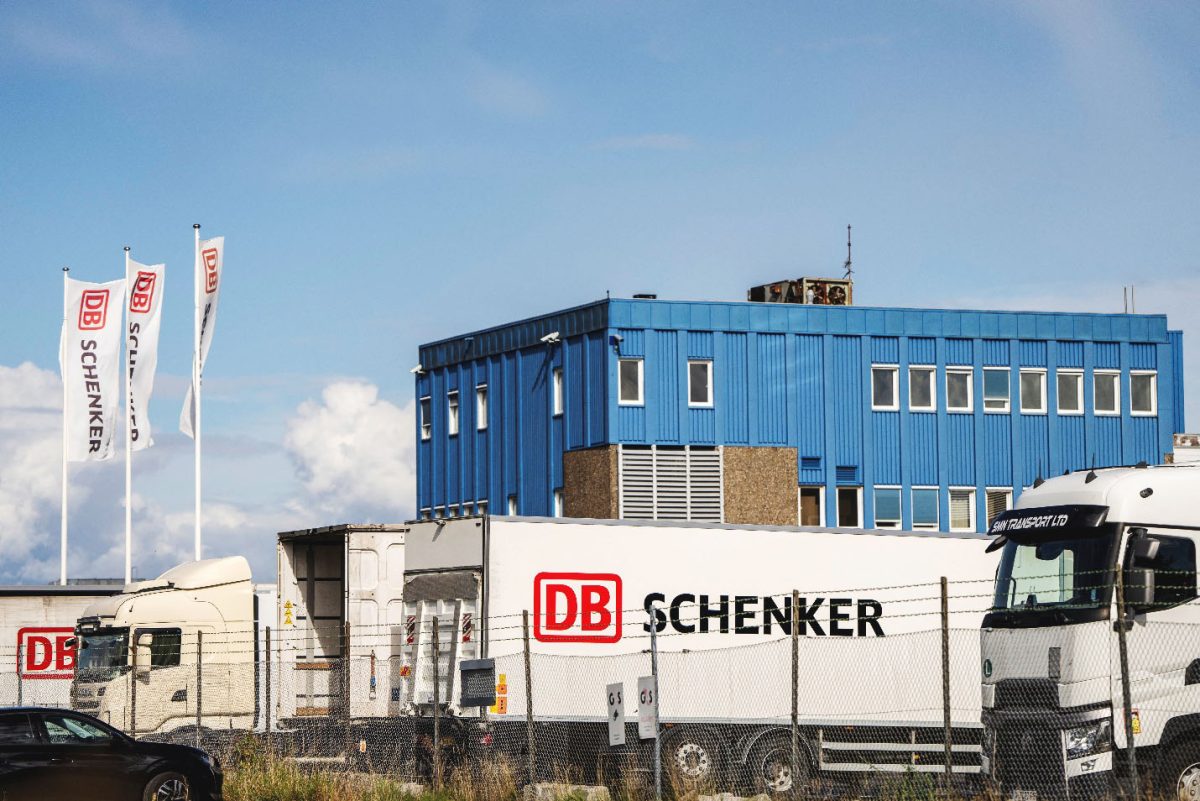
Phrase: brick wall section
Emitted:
{"points": [[590, 483], [760, 486]]}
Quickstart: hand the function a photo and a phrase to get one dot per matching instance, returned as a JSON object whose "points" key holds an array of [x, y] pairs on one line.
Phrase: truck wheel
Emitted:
{"points": [[771, 767], [693, 756], [1179, 775], [167, 787]]}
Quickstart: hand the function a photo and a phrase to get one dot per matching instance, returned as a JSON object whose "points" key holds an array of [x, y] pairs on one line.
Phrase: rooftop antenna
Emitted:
{"points": [[1125, 295], [849, 265]]}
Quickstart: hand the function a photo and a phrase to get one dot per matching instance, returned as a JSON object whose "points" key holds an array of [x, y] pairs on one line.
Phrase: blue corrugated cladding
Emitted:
{"points": [[794, 376]]}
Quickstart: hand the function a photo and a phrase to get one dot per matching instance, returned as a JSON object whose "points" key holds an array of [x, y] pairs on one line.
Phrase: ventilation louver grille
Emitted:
{"points": [[671, 483]]}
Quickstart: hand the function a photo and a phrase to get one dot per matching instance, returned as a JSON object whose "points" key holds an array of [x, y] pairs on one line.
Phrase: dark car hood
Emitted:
{"points": [[172, 750]]}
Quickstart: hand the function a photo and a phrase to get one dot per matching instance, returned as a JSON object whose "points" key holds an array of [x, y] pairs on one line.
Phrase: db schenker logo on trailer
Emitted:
{"points": [[577, 607]]}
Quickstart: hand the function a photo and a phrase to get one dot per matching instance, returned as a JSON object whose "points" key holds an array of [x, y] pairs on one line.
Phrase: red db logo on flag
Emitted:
{"points": [[93, 309], [143, 292], [209, 257], [42, 653], [577, 607]]}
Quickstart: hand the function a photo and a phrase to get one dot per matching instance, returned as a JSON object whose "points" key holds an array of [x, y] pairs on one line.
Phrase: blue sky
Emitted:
{"points": [[389, 174]]}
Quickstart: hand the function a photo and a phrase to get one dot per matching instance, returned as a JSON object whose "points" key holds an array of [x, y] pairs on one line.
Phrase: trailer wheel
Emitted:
{"points": [[693, 756], [771, 767], [1179, 773]]}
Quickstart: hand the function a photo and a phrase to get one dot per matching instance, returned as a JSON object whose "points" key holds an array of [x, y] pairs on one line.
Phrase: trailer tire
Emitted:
{"points": [[693, 756], [771, 768], [1179, 772]]}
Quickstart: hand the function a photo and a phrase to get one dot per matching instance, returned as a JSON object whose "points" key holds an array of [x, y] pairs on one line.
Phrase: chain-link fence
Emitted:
{"points": [[971, 691]]}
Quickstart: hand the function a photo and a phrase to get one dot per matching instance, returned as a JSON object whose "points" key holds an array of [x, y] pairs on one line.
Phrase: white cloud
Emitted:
{"points": [[354, 452], [649, 141], [100, 33], [508, 93]]}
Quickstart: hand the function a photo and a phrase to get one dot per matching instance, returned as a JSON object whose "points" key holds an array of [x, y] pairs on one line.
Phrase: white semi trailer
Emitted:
{"points": [[718, 596], [1056, 721]]}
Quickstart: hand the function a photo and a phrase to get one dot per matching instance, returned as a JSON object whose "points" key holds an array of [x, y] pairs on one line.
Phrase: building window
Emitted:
{"points": [[426, 418], [664, 482], [849, 507], [998, 500], [887, 507], [1143, 393], [812, 511], [481, 508], [1107, 398], [512, 505], [1033, 392], [959, 393], [481, 408], [630, 379], [558, 503], [426, 513], [925, 507], [439, 512], [556, 380], [700, 389], [962, 510], [452, 510], [921, 394], [1070, 392], [996, 391], [452, 413], [883, 388]]}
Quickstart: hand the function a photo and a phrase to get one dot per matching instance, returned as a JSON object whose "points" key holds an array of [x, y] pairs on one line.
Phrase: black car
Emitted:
{"points": [[55, 753]]}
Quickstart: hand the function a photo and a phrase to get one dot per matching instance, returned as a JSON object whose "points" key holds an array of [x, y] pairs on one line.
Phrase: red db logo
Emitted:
{"points": [[577, 607], [209, 257], [143, 292], [43, 653], [93, 309]]}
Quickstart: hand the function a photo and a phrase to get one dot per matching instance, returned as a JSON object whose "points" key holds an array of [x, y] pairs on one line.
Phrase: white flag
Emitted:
{"points": [[211, 260], [89, 357], [142, 324]]}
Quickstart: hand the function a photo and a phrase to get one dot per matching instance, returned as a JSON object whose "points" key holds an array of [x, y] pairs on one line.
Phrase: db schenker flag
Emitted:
{"points": [[209, 263], [90, 361], [142, 324]]}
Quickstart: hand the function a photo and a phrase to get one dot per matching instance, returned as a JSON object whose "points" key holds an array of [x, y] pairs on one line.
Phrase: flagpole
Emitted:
{"points": [[196, 383], [62, 536], [128, 440]]}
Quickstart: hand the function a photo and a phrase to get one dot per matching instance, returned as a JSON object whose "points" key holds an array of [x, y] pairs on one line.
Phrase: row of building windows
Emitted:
{"points": [[481, 407], [467, 508], [997, 394], [925, 503]]}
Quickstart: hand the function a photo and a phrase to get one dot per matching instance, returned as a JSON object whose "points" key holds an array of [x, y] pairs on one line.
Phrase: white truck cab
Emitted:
{"points": [[1053, 711], [137, 652]]}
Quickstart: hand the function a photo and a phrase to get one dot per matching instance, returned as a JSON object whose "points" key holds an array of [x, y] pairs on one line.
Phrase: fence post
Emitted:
{"points": [[437, 712], [948, 740], [133, 683], [348, 739], [199, 684], [529, 700], [20, 683], [267, 688], [657, 712], [795, 688], [1126, 692]]}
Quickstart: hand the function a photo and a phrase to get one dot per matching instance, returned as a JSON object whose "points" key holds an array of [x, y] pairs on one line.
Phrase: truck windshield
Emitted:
{"points": [[102, 654], [1068, 575]]}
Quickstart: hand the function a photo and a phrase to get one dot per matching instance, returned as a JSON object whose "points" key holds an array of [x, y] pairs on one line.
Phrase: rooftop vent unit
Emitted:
{"points": [[813, 291]]}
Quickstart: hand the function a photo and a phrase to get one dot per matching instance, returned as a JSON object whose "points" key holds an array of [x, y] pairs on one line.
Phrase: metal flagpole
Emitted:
{"points": [[196, 385], [62, 570], [128, 442]]}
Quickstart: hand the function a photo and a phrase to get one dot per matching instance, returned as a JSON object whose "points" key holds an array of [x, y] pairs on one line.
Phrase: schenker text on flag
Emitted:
{"points": [[142, 324], [210, 263], [90, 360]]}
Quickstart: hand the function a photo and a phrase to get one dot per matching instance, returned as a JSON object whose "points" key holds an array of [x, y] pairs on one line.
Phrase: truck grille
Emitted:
{"points": [[1030, 757], [1026, 694]]}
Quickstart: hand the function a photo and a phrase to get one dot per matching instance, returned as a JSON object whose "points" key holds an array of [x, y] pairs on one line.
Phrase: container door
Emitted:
{"points": [[313, 639], [374, 589]]}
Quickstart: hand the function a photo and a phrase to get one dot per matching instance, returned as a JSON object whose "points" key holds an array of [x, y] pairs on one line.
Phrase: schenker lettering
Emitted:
{"points": [[753, 614], [91, 385], [135, 330]]}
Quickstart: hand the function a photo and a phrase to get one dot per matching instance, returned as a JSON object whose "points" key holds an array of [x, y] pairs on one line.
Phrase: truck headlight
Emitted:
{"points": [[1093, 738]]}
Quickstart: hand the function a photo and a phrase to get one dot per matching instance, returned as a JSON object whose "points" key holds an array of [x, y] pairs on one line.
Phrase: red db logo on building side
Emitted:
{"points": [[577, 607], [142, 295], [42, 653], [93, 309], [209, 257]]}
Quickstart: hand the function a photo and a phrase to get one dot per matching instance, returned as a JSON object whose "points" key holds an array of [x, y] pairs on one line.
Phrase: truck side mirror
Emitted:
{"points": [[142, 654], [1139, 587], [71, 643], [1144, 550]]}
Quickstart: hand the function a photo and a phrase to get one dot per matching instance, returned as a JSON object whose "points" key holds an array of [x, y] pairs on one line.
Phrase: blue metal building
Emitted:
{"points": [[779, 413]]}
